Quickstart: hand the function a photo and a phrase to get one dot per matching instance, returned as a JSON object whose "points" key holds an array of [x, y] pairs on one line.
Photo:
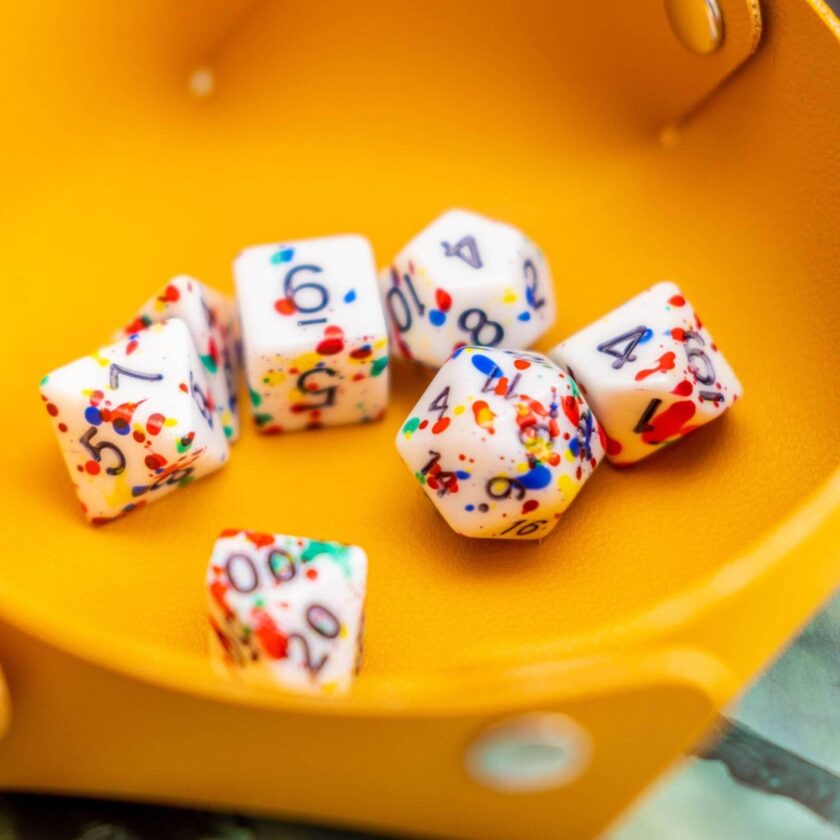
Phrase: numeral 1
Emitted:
{"points": [[644, 421], [524, 527], [395, 293]]}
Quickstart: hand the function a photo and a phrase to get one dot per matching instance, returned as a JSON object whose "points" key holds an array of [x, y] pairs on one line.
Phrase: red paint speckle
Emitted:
{"points": [[170, 294], [423, 424], [521, 364], [663, 363], [229, 532], [92, 468], [258, 539], [670, 423], [285, 306], [332, 342], [155, 423], [614, 447], [440, 426], [273, 640], [677, 300], [684, 389], [62, 427], [678, 333], [52, 410], [531, 504], [443, 300], [155, 461], [312, 574]]}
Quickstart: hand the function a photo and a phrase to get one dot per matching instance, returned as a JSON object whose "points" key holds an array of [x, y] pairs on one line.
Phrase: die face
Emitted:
{"points": [[501, 442], [287, 610], [314, 335], [467, 279], [135, 420], [651, 372], [209, 317]]}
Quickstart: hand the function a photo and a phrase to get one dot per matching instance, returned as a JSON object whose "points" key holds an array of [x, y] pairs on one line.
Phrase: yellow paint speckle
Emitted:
{"points": [[510, 296], [459, 409]]}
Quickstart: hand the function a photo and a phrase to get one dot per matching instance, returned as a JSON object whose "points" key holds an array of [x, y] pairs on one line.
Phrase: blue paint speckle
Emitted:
{"points": [[437, 317], [282, 256], [529, 296], [93, 416], [536, 478], [457, 351], [574, 447], [648, 334], [462, 474], [486, 365], [470, 507], [523, 316], [350, 296]]}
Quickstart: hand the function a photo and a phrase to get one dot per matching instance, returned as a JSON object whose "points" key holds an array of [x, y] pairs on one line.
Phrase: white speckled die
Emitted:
{"points": [[501, 442], [314, 334], [286, 611], [211, 319], [135, 421], [467, 279], [651, 372]]}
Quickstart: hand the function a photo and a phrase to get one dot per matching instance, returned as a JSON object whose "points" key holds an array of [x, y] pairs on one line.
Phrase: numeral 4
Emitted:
{"points": [[624, 353]]}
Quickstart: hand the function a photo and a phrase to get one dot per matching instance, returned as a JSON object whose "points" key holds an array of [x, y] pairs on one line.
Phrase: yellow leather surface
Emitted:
{"points": [[374, 118]]}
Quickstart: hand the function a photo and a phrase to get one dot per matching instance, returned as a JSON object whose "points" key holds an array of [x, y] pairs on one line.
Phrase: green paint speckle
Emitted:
{"points": [[45, 380], [378, 366], [262, 419], [574, 386], [256, 399], [420, 477], [183, 444], [228, 431], [411, 426], [210, 363], [335, 551]]}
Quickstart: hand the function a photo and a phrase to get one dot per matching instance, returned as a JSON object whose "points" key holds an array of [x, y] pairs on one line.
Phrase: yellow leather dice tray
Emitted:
{"points": [[630, 159]]}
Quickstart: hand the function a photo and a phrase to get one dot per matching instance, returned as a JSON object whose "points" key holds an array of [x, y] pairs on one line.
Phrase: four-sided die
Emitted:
{"points": [[501, 441], [134, 421], [467, 279], [210, 317], [651, 372], [315, 340], [287, 610]]}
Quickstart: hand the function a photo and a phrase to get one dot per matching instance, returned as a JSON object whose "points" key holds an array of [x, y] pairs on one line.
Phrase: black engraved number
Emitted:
{"points": [[116, 370], [501, 487], [532, 279], [465, 249], [492, 382], [327, 394], [307, 297], [312, 666], [523, 528], [476, 323], [434, 460], [95, 450], [624, 354], [323, 621], [241, 573], [281, 564], [404, 319], [201, 401], [644, 421], [707, 376], [441, 402], [172, 478]]}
